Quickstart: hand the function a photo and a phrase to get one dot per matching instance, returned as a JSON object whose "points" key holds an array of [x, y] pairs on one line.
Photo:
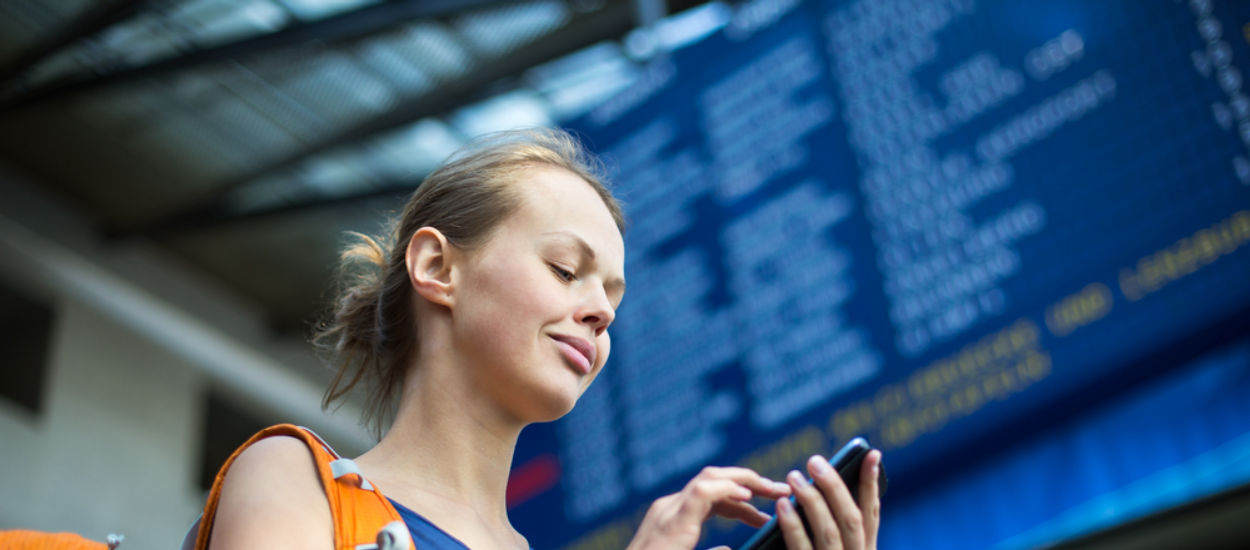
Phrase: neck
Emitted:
{"points": [[447, 457]]}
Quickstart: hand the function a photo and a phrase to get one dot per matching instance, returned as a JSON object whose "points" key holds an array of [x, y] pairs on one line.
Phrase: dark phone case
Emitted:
{"points": [[847, 462]]}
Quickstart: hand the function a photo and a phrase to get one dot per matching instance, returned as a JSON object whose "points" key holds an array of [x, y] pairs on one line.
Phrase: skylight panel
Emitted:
{"points": [[266, 192], [592, 88], [213, 22], [497, 31], [310, 10], [143, 39], [436, 50], [387, 60], [335, 174], [577, 82], [678, 30], [415, 150], [517, 109]]}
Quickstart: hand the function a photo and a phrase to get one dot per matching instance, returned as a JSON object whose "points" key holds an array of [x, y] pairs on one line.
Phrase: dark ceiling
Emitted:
{"points": [[246, 136]]}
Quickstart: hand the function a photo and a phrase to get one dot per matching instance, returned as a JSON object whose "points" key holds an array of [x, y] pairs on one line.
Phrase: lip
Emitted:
{"points": [[579, 352]]}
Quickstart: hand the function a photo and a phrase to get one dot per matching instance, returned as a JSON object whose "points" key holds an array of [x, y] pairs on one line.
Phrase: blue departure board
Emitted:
{"points": [[935, 224]]}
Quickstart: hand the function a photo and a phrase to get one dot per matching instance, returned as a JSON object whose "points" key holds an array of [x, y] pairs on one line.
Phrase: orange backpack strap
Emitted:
{"points": [[363, 518], [19, 539]]}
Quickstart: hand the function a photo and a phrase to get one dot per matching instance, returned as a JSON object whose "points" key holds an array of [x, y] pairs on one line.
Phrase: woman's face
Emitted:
{"points": [[534, 302]]}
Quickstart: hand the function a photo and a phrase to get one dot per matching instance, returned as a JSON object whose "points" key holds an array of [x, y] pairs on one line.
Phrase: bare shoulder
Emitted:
{"points": [[272, 498]]}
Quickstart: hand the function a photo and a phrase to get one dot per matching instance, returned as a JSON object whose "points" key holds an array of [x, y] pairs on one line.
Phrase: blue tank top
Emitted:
{"points": [[426, 535]]}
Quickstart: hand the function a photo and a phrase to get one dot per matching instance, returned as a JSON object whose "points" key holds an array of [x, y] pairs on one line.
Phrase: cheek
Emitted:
{"points": [[508, 301], [604, 345]]}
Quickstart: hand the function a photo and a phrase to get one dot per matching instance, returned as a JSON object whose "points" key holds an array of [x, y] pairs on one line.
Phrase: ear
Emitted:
{"points": [[429, 266]]}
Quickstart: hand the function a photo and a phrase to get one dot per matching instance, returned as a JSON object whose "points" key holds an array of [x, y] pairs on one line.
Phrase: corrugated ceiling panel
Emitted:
{"points": [[406, 155], [214, 22], [309, 10], [126, 167], [385, 56], [339, 90], [142, 39], [207, 153], [252, 129], [436, 50], [40, 17], [413, 151], [194, 87], [266, 192], [21, 24], [122, 111], [497, 31], [275, 103]]}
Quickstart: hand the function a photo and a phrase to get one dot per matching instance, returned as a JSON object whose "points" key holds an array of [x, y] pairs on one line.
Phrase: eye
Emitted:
{"points": [[564, 274]]}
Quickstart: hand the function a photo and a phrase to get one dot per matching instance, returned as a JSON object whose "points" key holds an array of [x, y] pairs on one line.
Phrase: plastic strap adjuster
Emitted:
{"points": [[345, 466], [392, 536]]}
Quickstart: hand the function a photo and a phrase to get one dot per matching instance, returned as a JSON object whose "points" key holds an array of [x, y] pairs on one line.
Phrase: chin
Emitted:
{"points": [[553, 404], [556, 410]]}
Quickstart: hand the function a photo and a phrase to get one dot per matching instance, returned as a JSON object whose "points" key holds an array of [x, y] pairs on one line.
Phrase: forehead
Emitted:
{"points": [[556, 200]]}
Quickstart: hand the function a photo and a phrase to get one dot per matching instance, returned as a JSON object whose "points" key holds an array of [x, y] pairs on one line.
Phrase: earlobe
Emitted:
{"points": [[429, 266]]}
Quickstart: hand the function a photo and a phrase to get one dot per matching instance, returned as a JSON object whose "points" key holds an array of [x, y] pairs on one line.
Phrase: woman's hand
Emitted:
{"points": [[837, 522], [675, 522]]}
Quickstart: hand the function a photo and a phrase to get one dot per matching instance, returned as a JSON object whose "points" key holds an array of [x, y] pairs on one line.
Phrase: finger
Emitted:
{"points": [[824, 530], [741, 511], [846, 513], [870, 497], [758, 484], [791, 526], [702, 493]]}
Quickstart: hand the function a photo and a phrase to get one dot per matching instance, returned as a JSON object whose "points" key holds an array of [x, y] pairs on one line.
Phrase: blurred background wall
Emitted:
{"points": [[112, 449], [114, 414]]}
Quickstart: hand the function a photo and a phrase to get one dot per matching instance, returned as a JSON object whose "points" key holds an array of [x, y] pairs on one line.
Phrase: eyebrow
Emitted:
{"points": [[613, 283]]}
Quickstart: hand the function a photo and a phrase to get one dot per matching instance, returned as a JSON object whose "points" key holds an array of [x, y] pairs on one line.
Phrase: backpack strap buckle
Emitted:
{"points": [[346, 466], [392, 536]]}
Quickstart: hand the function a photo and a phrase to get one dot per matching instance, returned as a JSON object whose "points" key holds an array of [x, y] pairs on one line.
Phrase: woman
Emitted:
{"points": [[490, 312]]}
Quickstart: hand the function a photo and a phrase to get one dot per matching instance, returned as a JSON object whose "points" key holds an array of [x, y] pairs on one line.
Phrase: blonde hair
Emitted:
{"points": [[372, 334]]}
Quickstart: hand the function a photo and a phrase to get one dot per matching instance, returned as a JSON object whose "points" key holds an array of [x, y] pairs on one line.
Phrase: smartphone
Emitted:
{"points": [[847, 461]]}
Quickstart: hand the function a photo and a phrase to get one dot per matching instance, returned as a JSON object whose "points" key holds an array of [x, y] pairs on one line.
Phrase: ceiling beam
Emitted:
{"points": [[585, 29], [219, 214], [95, 18], [337, 28]]}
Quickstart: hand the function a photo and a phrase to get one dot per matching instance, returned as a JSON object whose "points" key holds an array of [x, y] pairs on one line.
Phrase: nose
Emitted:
{"points": [[596, 311]]}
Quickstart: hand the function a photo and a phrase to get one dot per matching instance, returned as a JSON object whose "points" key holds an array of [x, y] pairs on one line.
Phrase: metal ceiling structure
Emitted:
{"points": [[246, 136]]}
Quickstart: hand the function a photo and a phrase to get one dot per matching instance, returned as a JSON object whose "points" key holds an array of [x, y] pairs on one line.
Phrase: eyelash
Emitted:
{"points": [[564, 274]]}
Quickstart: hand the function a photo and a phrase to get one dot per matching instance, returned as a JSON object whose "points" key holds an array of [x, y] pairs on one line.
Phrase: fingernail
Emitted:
{"points": [[743, 493], [781, 487], [796, 478], [783, 506], [819, 464]]}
